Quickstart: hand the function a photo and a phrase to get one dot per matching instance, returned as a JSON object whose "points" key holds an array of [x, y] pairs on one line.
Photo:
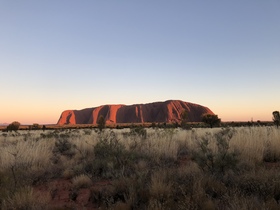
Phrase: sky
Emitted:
{"points": [[57, 55]]}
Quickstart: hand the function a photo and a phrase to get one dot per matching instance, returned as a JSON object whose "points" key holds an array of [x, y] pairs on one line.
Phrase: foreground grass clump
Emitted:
{"points": [[25, 198], [216, 159], [139, 168]]}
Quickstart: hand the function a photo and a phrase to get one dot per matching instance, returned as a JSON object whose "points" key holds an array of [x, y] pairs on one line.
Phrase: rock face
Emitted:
{"points": [[168, 112]]}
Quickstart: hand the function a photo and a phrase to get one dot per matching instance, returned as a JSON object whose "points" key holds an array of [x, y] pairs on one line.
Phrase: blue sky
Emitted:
{"points": [[64, 54]]}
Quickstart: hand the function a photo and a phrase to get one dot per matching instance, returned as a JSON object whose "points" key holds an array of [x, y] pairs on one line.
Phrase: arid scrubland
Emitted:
{"points": [[137, 168]]}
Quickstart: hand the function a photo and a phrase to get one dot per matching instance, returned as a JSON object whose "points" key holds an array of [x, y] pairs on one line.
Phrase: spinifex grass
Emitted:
{"points": [[155, 168]]}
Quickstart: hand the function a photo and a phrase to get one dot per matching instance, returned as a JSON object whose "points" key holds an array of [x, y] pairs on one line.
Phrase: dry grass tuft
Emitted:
{"points": [[25, 198], [81, 181], [160, 189]]}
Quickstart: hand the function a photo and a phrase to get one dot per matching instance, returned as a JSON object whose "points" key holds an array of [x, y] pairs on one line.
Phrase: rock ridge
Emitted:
{"points": [[158, 112]]}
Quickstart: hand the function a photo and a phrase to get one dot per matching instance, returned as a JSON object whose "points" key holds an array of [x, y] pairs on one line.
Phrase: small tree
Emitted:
{"points": [[276, 118], [14, 126], [184, 119], [35, 126], [101, 122], [218, 161], [211, 119]]}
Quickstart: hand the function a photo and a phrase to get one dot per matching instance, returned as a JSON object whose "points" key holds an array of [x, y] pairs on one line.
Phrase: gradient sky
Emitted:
{"points": [[65, 54]]}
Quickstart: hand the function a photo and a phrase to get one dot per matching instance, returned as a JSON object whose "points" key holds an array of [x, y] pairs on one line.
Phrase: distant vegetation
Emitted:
{"points": [[184, 119], [211, 120], [183, 124], [276, 118], [14, 126], [101, 122], [207, 120]]}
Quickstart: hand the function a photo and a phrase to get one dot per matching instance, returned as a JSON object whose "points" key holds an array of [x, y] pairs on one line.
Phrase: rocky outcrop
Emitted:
{"points": [[168, 112]]}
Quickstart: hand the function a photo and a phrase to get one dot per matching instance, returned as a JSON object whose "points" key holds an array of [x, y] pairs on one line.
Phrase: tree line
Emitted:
{"points": [[211, 120]]}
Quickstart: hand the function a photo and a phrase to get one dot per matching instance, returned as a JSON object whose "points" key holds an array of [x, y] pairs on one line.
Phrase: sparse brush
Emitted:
{"points": [[25, 198], [235, 168], [216, 159], [68, 173], [245, 202], [64, 147], [263, 184], [160, 187], [213, 187], [104, 197]]}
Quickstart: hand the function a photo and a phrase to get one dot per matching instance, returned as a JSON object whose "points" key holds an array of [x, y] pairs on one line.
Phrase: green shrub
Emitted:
{"points": [[139, 131], [101, 122], [211, 119], [218, 161], [276, 118], [14, 126], [64, 147], [109, 157]]}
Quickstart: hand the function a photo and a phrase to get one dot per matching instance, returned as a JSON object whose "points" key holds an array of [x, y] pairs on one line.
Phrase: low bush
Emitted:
{"points": [[216, 160], [64, 147], [139, 131]]}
